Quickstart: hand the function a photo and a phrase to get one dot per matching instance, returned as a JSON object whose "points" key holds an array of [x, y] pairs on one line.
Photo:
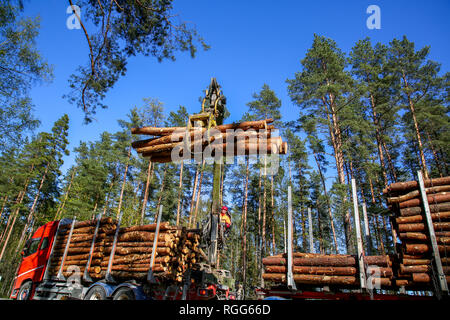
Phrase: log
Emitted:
{"points": [[273, 146], [164, 226], [382, 261], [419, 218], [414, 248], [141, 145], [311, 255], [80, 250], [144, 236], [88, 223], [135, 258], [417, 236], [132, 250], [414, 262], [170, 244], [434, 208], [313, 270], [414, 227], [380, 272], [139, 267], [404, 186], [312, 279], [315, 261], [421, 277], [95, 255], [155, 131], [414, 268], [440, 207], [424, 278], [441, 197], [416, 193], [383, 282]]}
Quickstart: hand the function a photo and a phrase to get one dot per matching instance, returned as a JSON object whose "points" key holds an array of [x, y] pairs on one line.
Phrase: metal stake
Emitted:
{"points": [[362, 271], [150, 277], [60, 275], [436, 255], [366, 228], [290, 277], [86, 276], [108, 276], [311, 235]]}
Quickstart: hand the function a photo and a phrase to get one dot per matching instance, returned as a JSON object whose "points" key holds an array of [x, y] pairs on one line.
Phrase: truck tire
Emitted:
{"points": [[96, 293], [25, 291], [124, 294]]}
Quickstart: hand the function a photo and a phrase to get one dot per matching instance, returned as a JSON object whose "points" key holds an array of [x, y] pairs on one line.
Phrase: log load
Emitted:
{"points": [[413, 268], [176, 250], [244, 138], [335, 269]]}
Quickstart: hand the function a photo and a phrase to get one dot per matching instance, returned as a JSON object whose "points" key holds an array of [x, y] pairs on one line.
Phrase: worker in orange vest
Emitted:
{"points": [[225, 218]]}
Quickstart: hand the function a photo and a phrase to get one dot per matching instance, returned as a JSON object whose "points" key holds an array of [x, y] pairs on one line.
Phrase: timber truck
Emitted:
{"points": [[34, 281]]}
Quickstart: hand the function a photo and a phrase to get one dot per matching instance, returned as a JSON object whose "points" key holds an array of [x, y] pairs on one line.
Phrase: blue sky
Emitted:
{"points": [[252, 43]]}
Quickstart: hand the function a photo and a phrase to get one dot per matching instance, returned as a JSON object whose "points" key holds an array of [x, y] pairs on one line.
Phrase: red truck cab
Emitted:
{"points": [[35, 256]]}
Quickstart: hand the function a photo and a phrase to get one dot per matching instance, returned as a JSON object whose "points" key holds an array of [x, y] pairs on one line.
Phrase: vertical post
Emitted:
{"points": [[311, 236], [86, 276], [436, 255], [46, 274], [150, 277], [290, 277], [362, 271], [366, 228], [108, 276], [60, 272], [284, 235]]}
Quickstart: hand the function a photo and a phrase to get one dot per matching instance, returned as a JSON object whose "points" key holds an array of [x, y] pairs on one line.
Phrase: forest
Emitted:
{"points": [[377, 114]]}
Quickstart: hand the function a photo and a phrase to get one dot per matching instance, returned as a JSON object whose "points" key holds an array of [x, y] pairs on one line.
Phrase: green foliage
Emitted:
{"points": [[21, 66], [124, 29]]}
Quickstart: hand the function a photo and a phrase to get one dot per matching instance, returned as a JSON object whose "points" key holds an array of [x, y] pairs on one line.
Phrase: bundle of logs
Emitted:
{"points": [[415, 251], [176, 251], [245, 138], [326, 270]]}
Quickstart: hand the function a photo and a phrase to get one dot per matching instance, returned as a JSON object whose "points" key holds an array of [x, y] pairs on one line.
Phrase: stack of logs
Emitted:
{"points": [[415, 252], [333, 269], [245, 138], [177, 250]]}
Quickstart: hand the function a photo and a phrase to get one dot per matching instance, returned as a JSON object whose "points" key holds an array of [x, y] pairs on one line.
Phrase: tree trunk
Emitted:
{"points": [[180, 193], [119, 207], [435, 157], [161, 190], [263, 248], [322, 178], [194, 192], [198, 193], [378, 139], [259, 254], [61, 208], [244, 235], [390, 162], [33, 207], [272, 207], [3, 207], [147, 184], [416, 127]]}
